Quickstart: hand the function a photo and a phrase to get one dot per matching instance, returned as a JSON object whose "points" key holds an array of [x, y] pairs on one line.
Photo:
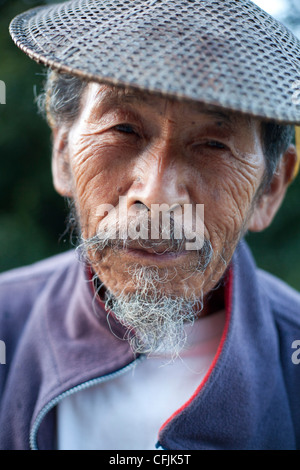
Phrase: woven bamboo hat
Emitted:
{"points": [[227, 53]]}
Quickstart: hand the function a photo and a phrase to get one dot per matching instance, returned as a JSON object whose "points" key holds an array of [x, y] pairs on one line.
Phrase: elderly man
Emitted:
{"points": [[172, 129]]}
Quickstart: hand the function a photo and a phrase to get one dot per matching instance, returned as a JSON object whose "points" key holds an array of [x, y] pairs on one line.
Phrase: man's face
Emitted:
{"points": [[152, 150], [156, 151]]}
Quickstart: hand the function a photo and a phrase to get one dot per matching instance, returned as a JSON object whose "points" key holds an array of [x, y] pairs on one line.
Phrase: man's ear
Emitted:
{"points": [[269, 203], [61, 171]]}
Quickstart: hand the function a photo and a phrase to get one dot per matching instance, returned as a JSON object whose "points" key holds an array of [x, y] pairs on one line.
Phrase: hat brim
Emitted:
{"points": [[226, 53]]}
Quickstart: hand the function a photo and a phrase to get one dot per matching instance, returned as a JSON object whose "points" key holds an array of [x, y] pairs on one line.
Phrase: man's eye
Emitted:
{"points": [[216, 144], [126, 128]]}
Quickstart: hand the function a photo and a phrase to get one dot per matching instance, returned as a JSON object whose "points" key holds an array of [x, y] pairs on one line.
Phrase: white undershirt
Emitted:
{"points": [[127, 412]]}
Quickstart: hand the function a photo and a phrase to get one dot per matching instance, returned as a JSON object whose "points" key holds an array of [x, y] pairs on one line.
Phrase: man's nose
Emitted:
{"points": [[160, 177]]}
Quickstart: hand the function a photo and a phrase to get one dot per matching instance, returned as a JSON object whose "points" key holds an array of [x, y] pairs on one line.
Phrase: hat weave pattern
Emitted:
{"points": [[227, 53]]}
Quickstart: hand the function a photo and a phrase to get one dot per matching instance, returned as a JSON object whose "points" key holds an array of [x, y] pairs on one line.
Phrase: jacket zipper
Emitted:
{"points": [[90, 383]]}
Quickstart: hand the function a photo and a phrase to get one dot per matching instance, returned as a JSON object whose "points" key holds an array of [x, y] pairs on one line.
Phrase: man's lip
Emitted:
{"points": [[151, 250], [154, 255]]}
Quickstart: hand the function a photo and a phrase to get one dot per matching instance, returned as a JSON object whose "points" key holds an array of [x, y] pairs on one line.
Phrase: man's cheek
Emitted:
{"points": [[223, 226], [90, 192], [234, 202], [114, 278]]}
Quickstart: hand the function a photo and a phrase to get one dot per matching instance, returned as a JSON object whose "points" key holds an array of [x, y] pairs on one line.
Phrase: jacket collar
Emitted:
{"points": [[241, 401], [242, 391], [78, 342]]}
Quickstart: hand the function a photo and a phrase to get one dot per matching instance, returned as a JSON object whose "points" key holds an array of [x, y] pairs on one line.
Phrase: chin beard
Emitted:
{"points": [[154, 321]]}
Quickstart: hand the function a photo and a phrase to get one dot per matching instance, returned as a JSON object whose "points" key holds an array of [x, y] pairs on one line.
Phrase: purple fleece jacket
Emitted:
{"points": [[58, 340]]}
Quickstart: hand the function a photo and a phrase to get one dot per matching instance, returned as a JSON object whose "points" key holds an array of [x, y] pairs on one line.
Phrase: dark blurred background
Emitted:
{"points": [[32, 215]]}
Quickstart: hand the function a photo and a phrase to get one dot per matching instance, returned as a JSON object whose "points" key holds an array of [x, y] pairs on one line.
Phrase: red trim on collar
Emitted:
{"points": [[228, 288], [90, 274], [228, 307]]}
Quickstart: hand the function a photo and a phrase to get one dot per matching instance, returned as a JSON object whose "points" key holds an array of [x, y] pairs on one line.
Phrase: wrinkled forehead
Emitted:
{"points": [[100, 98]]}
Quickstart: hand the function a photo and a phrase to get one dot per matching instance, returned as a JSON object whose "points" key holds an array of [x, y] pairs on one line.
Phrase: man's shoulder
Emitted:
{"points": [[36, 272], [284, 299], [271, 291], [20, 287]]}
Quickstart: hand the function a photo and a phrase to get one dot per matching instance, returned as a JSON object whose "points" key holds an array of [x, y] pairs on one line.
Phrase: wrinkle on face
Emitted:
{"points": [[171, 151]]}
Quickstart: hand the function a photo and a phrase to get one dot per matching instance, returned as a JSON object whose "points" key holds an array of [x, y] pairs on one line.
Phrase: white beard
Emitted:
{"points": [[155, 321]]}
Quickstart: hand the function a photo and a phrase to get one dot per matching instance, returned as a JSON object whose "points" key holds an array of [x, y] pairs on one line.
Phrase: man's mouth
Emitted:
{"points": [[157, 253]]}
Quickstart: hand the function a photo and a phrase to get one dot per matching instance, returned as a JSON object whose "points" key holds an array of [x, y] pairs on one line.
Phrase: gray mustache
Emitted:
{"points": [[95, 245]]}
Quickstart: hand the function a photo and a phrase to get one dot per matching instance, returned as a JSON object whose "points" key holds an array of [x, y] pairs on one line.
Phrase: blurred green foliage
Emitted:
{"points": [[32, 215]]}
